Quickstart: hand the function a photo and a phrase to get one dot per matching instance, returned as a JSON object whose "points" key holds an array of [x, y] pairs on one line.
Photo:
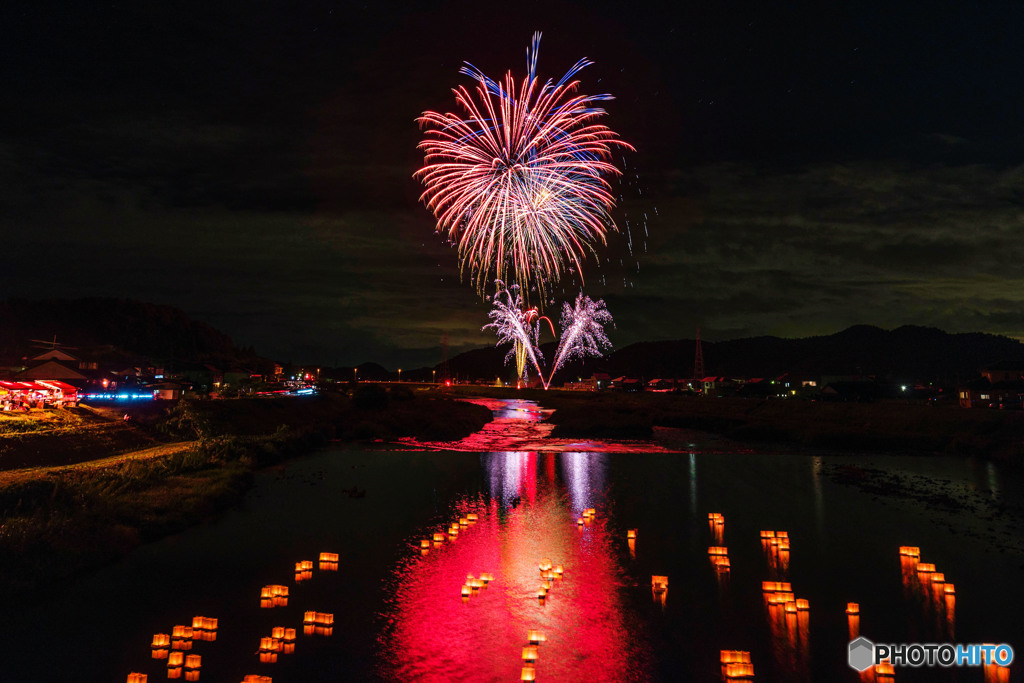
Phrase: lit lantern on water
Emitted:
{"points": [[466, 590], [438, 538], [735, 656], [463, 521], [852, 608], [472, 517], [425, 544], [590, 512], [176, 659], [631, 534], [949, 589], [938, 578], [277, 632], [535, 637], [925, 568], [739, 670], [193, 661], [529, 674], [530, 653], [910, 551], [268, 657], [545, 564], [487, 577], [659, 584], [161, 640], [803, 605], [326, 557], [776, 586], [558, 571], [254, 678], [718, 550], [580, 522], [884, 670], [137, 678], [765, 534], [453, 530], [182, 632], [477, 584], [721, 563]]}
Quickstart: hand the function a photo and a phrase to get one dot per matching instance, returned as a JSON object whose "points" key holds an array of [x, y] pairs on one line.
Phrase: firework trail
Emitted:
{"points": [[582, 331], [516, 326], [517, 180]]}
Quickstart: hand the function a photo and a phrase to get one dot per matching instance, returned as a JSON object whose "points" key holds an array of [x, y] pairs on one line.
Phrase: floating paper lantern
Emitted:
{"points": [[558, 571], [277, 632], [852, 608], [268, 657], [718, 550], [176, 659], [542, 593], [466, 590], [439, 538], [530, 653], [949, 589], [631, 534], [137, 678], [535, 637], [193, 661], [803, 605], [463, 521], [453, 530], [938, 578], [425, 543], [735, 656], [659, 584], [579, 522], [182, 632], [476, 584], [161, 640], [773, 586], [590, 512], [254, 678], [545, 564], [529, 674], [487, 577], [790, 607], [885, 669], [739, 670], [925, 568], [328, 557], [767, 534], [472, 517], [910, 551]]}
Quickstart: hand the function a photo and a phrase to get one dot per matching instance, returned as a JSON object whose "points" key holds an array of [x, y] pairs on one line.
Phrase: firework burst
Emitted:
{"points": [[518, 180]]}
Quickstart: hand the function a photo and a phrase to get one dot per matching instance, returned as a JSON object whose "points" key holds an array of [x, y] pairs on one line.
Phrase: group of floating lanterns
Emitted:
{"points": [[775, 544], [530, 653], [548, 574], [452, 534], [172, 647], [736, 665], [588, 516], [474, 584], [716, 521]]}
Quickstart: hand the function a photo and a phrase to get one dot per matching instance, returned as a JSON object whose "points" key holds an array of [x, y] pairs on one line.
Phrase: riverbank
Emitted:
{"points": [[66, 516], [883, 426]]}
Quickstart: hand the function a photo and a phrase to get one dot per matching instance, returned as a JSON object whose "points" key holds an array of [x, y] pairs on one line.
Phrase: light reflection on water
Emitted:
{"points": [[591, 635]]}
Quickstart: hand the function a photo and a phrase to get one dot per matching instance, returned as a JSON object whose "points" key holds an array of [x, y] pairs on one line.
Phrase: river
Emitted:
{"points": [[398, 612]]}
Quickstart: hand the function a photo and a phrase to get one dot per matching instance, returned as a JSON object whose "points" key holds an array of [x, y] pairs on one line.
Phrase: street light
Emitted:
{"points": [[434, 376], [399, 375], [354, 378]]}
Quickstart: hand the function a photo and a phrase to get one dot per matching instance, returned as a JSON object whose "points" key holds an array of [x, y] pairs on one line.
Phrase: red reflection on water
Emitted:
{"points": [[519, 426], [433, 635]]}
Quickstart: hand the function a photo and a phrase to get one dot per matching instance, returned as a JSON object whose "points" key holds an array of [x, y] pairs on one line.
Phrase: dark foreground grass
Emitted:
{"points": [[56, 522]]}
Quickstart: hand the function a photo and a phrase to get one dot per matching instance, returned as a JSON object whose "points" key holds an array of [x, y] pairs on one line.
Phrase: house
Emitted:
{"points": [[982, 393], [52, 369], [1004, 371]]}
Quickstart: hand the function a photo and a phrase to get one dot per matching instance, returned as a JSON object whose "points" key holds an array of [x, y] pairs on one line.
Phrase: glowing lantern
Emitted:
{"points": [[589, 512], [486, 577], [137, 678], [530, 653], [438, 538], [545, 564], [721, 563], [253, 678], [326, 557], [884, 669], [535, 637], [268, 657], [472, 517], [791, 607], [773, 586], [425, 544], [739, 670], [161, 640], [925, 568], [852, 608], [277, 632], [476, 584], [910, 551], [289, 634], [176, 659], [308, 629], [949, 589], [324, 619], [803, 605], [767, 534], [579, 522], [542, 593], [453, 530], [938, 577], [463, 521], [182, 632], [529, 674], [735, 656], [718, 550], [631, 534], [659, 584], [193, 661]]}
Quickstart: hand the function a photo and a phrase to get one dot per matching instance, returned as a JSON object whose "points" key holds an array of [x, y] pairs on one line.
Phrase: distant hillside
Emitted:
{"points": [[909, 353], [113, 327]]}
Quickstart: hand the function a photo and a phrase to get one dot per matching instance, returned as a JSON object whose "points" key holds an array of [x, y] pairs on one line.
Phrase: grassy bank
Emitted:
{"points": [[889, 426], [56, 521]]}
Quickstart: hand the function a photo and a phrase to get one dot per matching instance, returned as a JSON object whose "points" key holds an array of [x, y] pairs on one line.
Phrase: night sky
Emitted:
{"points": [[802, 166]]}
